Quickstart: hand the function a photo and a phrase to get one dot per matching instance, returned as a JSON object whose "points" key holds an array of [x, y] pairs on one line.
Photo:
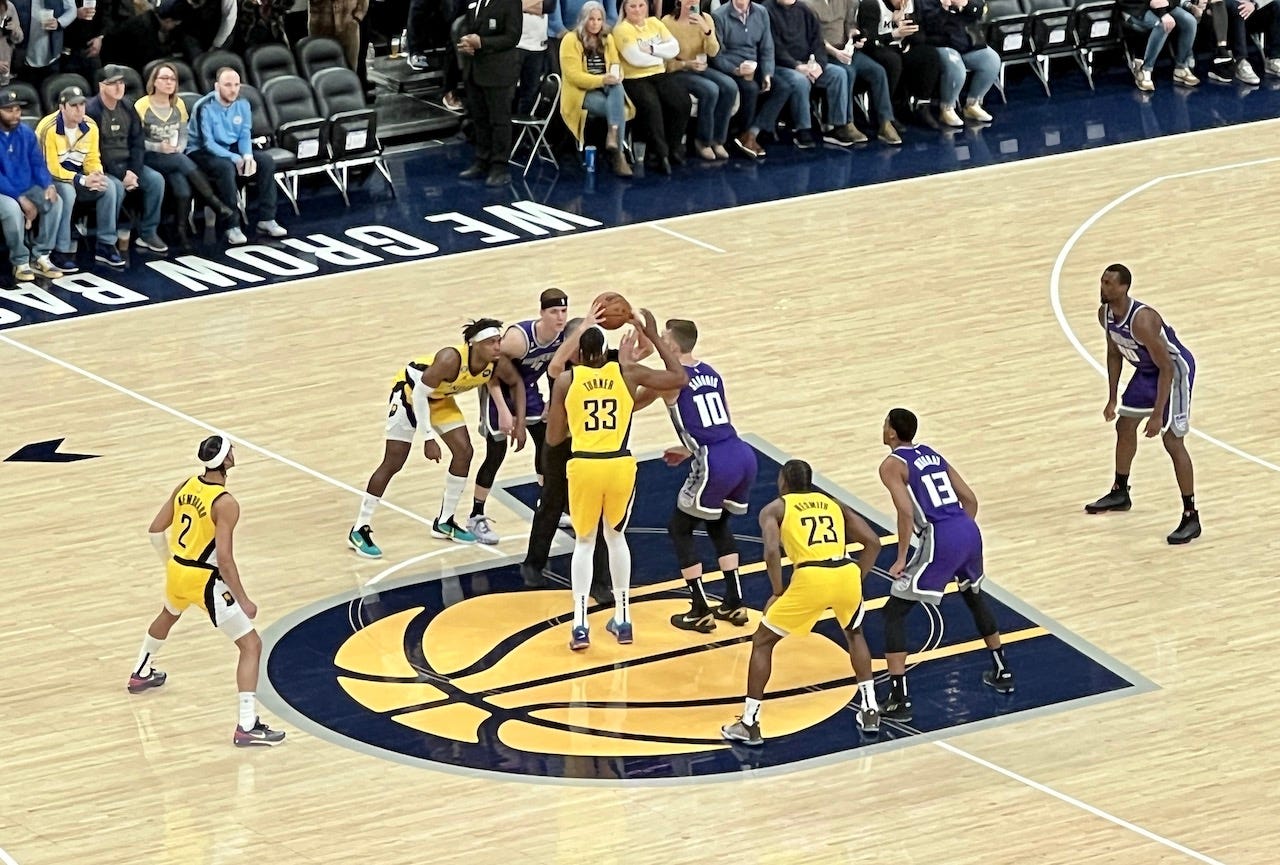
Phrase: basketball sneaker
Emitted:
{"points": [[734, 614], [896, 708], [869, 721], [154, 679], [621, 630], [601, 592], [361, 540], [1002, 681], [580, 638], [451, 531], [534, 578], [1187, 530], [564, 522], [1116, 500], [747, 734], [261, 734], [703, 623], [482, 527]]}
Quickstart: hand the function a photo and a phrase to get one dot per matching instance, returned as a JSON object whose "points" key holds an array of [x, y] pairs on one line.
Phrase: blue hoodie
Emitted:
{"points": [[22, 165]]}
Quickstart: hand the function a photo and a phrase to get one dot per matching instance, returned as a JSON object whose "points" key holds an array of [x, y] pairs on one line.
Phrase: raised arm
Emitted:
{"points": [[673, 377], [893, 474]]}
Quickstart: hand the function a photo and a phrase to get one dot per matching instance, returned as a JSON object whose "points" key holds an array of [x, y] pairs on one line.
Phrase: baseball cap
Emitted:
{"points": [[112, 73], [71, 96], [10, 98]]}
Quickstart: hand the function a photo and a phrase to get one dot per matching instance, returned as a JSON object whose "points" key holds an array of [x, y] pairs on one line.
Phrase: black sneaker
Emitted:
{"points": [[896, 709], [1187, 530], [703, 623], [733, 613], [601, 593], [108, 255], [805, 139], [1116, 500], [533, 578], [869, 721], [65, 261], [1002, 682]]}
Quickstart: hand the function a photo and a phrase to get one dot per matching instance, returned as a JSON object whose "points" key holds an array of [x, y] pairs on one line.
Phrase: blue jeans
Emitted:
{"points": [[15, 223], [1184, 30], [983, 62], [609, 102], [151, 188], [716, 93], [757, 116], [106, 208], [833, 79], [863, 67]]}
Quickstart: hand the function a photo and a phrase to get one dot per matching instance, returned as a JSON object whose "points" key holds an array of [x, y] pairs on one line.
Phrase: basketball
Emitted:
{"points": [[617, 311]]}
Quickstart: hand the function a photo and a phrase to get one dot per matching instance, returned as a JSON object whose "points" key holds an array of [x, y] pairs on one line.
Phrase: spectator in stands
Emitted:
{"points": [[82, 43], [715, 91], [69, 141], [746, 55], [801, 59], [10, 35], [844, 44], [164, 133], [589, 63], [149, 35], [1159, 18], [43, 23], [662, 105], [562, 14], [913, 66], [1245, 17], [428, 27], [948, 25], [340, 20], [219, 144], [261, 22], [490, 70], [120, 146], [27, 195], [533, 53], [204, 24]]}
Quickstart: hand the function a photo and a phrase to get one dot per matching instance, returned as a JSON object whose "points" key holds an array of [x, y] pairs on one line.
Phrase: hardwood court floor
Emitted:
{"points": [[823, 313]]}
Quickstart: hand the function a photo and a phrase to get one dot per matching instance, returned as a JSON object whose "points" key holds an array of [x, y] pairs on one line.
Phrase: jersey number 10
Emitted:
{"points": [[940, 490], [711, 410]]}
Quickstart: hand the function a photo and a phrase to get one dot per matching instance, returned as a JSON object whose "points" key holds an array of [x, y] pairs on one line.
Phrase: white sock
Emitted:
{"points": [[367, 506], [453, 486], [580, 569], [150, 648], [248, 711], [751, 712], [868, 689], [620, 570]]}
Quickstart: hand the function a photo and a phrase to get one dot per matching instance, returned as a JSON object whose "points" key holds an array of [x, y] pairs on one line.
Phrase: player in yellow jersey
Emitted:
{"points": [[193, 535], [422, 398], [813, 529], [591, 404]]}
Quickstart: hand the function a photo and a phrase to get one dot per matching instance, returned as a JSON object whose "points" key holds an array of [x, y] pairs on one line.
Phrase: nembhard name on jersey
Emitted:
{"points": [[192, 500]]}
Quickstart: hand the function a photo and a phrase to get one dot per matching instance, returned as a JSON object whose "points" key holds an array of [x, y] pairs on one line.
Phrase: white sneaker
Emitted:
{"points": [[1184, 76], [949, 117], [1272, 66], [481, 526], [565, 522], [1142, 77], [235, 236], [1245, 73], [271, 228], [975, 111]]}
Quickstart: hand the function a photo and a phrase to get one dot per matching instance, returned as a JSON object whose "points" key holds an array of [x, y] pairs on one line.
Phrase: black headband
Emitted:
{"points": [[555, 302]]}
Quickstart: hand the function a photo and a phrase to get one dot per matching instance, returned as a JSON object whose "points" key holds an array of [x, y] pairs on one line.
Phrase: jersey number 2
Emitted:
{"points": [[595, 420], [186, 527], [822, 530]]}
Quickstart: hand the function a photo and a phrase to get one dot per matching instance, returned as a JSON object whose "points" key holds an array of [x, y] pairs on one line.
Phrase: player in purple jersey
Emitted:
{"points": [[937, 508], [721, 475], [1160, 390], [529, 345]]}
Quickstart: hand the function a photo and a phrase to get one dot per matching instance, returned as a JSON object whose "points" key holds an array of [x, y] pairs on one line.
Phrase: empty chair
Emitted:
{"points": [[55, 84], [187, 82], [207, 65], [318, 52], [1095, 25], [353, 127], [1007, 27], [263, 137], [1051, 34], [532, 127], [299, 128], [269, 61]]}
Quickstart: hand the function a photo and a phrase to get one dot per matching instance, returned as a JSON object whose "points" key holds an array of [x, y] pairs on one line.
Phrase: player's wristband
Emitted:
{"points": [[161, 543]]}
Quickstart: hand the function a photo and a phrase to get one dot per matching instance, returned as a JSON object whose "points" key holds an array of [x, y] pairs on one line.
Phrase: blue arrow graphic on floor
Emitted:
{"points": [[45, 452]]}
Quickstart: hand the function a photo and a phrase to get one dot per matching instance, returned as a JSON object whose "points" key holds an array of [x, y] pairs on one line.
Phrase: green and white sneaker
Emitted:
{"points": [[361, 540], [451, 531]]}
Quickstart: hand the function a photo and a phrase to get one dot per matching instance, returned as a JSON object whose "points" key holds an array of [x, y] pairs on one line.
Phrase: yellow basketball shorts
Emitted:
{"points": [[601, 489], [815, 589], [186, 586], [445, 415]]}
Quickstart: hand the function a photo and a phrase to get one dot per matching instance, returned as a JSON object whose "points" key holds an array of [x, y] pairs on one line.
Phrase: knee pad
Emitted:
{"points": [[722, 536], [680, 528], [895, 624], [495, 451], [981, 610]]}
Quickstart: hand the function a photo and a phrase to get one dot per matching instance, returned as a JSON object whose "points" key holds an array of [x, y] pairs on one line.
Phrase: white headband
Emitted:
{"points": [[216, 461], [487, 333]]}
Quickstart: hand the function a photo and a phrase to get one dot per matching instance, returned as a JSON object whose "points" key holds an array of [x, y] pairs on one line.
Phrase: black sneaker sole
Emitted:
{"points": [[704, 624], [1184, 540], [901, 716], [1094, 509], [999, 687]]}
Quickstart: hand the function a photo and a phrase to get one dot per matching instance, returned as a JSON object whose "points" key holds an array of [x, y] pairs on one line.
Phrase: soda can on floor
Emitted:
{"points": [[589, 158]]}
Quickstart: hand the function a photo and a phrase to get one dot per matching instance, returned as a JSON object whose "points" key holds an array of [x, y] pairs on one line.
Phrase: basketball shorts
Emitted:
{"points": [[186, 586], [601, 489], [402, 423], [534, 409], [815, 588], [1140, 395], [720, 479], [947, 550]]}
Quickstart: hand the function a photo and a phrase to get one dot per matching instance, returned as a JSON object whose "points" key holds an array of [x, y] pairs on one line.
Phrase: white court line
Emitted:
{"points": [[248, 445], [6, 858], [1055, 284], [1083, 806], [488, 548], [655, 226]]}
